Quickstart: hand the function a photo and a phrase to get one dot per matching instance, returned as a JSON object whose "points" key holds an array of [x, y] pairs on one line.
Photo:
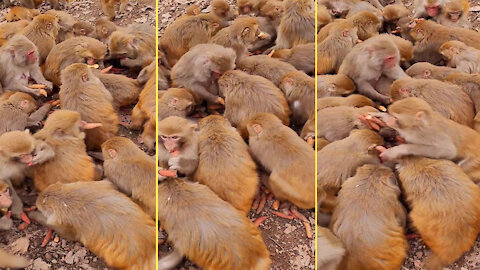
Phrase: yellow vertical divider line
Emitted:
{"points": [[156, 131], [316, 143]]}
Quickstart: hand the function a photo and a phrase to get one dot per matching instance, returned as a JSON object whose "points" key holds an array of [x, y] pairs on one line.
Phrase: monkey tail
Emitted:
{"points": [[12, 261], [170, 261]]}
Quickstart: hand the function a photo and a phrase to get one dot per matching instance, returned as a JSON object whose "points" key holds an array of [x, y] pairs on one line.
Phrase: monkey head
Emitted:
{"points": [[453, 10], [433, 7], [213, 120], [215, 62], [118, 146], [230, 79], [174, 131], [392, 13], [402, 88], [17, 146], [48, 23], [338, 85], [245, 6], [22, 51], [23, 101], [122, 45], [77, 74], [300, 5], [409, 114], [104, 28], [222, 9], [386, 52], [90, 50], [420, 28], [146, 73], [5, 198], [451, 48], [273, 9], [181, 99], [262, 125], [248, 29], [368, 24], [82, 28]]}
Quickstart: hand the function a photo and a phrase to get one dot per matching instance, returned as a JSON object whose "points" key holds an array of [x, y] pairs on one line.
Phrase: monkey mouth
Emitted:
{"points": [[90, 61], [216, 74]]}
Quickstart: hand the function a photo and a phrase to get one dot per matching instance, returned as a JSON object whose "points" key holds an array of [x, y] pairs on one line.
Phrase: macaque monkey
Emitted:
{"points": [[65, 22], [405, 47], [64, 157], [176, 102], [354, 100], [332, 50], [12, 261], [444, 138], [425, 70], [308, 130], [225, 239], [239, 36], [427, 8], [340, 159], [334, 85], [250, 6], [185, 33], [83, 92], [124, 90], [367, 61], [455, 14], [42, 31], [323, 16], [104, 28], [299, 88], [192, 10], [436, 188], [132, 171], [8, 30], [98, 227], [178, 147], [17, 13], [233, 176], [273, 10], [265, 66], [73, 50], [83, 28], [297, 25], [403, 28], [247, 95], [336, 123], [330, 249], [429, 36], [366, 22], [443, 97], [108, 7], [392, 14], [134, 46], [223, 11], [302, 57], [19, 64], [338, 8], [470, 83], [460, 56], [365, 6], [200, 68], [369, 202], [144, 112], [289, 160], [19, 111]]}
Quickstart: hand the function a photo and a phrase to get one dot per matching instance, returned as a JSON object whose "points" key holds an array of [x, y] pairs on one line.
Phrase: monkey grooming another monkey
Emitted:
{"points": [[460, 56], [134, 45], [265, 66], [334, 85], [302, 57], [214, 234], [225, 165]]}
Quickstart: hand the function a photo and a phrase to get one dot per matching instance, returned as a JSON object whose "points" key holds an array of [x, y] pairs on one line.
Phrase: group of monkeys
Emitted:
{"points": [[74, 62], [236, 102], [418, 160]]}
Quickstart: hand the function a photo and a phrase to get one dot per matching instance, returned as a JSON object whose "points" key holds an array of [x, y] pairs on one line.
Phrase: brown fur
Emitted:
{"points": [[302, 57], [323, 16], [297, 25], [350, 101], [8, 30], [12, 261], [299, 88], [334, 85], [124, 90], [455, 14], [108, 7], [330, 249], [470, 83], [250, 6], [135, 45], [267, 67], [65, 22], [42, 31], [175, 102], [83, 28], [104, 28], [460, 56], [425, 70], [21, 13]]}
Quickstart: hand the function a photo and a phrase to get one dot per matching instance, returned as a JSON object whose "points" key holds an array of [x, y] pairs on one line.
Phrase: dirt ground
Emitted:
{"points": [[289, 247], [59, 253]]}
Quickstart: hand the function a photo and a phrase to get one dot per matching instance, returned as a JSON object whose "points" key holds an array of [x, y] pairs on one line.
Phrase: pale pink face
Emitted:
{"points": [[5, 199], [432, 10], [171, 143]]}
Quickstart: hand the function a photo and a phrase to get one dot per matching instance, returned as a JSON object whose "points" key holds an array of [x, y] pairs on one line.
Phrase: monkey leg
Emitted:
{"points": [[138, 118]]}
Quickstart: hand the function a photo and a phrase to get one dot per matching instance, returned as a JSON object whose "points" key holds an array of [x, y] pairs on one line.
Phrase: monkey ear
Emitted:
{"points": [[82, 32], [405, 90], [104, 30], [23, 104], [245, 31], [135, 42], [427, 73], [346, 33], [85, 77], [49, 26], [215, 25], [257, 128], [112, 153], [174, 101], [420, 116], [59, 132]]}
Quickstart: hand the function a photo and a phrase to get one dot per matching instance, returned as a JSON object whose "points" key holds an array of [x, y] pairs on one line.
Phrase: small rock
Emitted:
{"points": [[39, 264]]}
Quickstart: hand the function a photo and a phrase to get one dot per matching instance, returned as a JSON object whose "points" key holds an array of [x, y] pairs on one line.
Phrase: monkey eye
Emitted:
{"points": [[163, 137], [174, 137]]}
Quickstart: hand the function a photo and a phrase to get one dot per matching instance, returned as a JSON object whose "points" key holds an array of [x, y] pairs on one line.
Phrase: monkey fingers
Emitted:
{"points": [[282, 215], [255, 203], [259, 221], [365, 121], [47, 238]]}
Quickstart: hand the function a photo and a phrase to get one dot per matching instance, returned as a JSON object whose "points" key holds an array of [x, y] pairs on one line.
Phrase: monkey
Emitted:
{"points": [[444, 138], [332, 50], [268, 28], [391, 16], [65, 22], [17, 13], [6, 201], [427, 8], [338, 8], [200, 68], [429, 36], [73, 50], [250, 6], [323, 16], [455, 14], [340, 159], [124, 90], [302, 57], [354, 100], [366, 22], [460, 56], [97, 226], [104, 28], [83, 92], [222, 10], [297, 25], [336, 123], [265, 66], [20, 64], [405, 47], [330, 249], [289, 160], [470, 83], [184, 33], [144, 112], [308, 130], [247, 95], [83, 28], [273, 10], [132, 171], [108, 7], [299, 88], [233, 176], [192, 10], [334, 85], [443, 97], [382, 57], [370, 200], [42, 31], [239, 36], [365, 6], [435, 188], [135, 46], [19, 111], [176, 102], [425, 70], [9, 29], [64, 134], [12, 261], [403, 28], [178, 145], [226, 240]]}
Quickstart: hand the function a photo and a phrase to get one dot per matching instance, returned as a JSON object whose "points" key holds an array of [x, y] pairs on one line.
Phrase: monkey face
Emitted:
{"points": [[432, 9], [171, 143], [5, 199]]}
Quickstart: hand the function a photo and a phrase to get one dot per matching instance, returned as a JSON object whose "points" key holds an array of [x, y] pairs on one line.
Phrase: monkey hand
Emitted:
{"points": [[390, 153], [174, 163], [371, 120]]}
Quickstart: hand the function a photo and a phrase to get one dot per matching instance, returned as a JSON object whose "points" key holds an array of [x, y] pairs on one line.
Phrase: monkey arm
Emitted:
{"points": [[395, 73], [204, 93], [365, 88], [37, 76], [18, 86], [17, 204], [184, 165], [38, 115], [131, 63], [38, 217], [447, 151]]}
